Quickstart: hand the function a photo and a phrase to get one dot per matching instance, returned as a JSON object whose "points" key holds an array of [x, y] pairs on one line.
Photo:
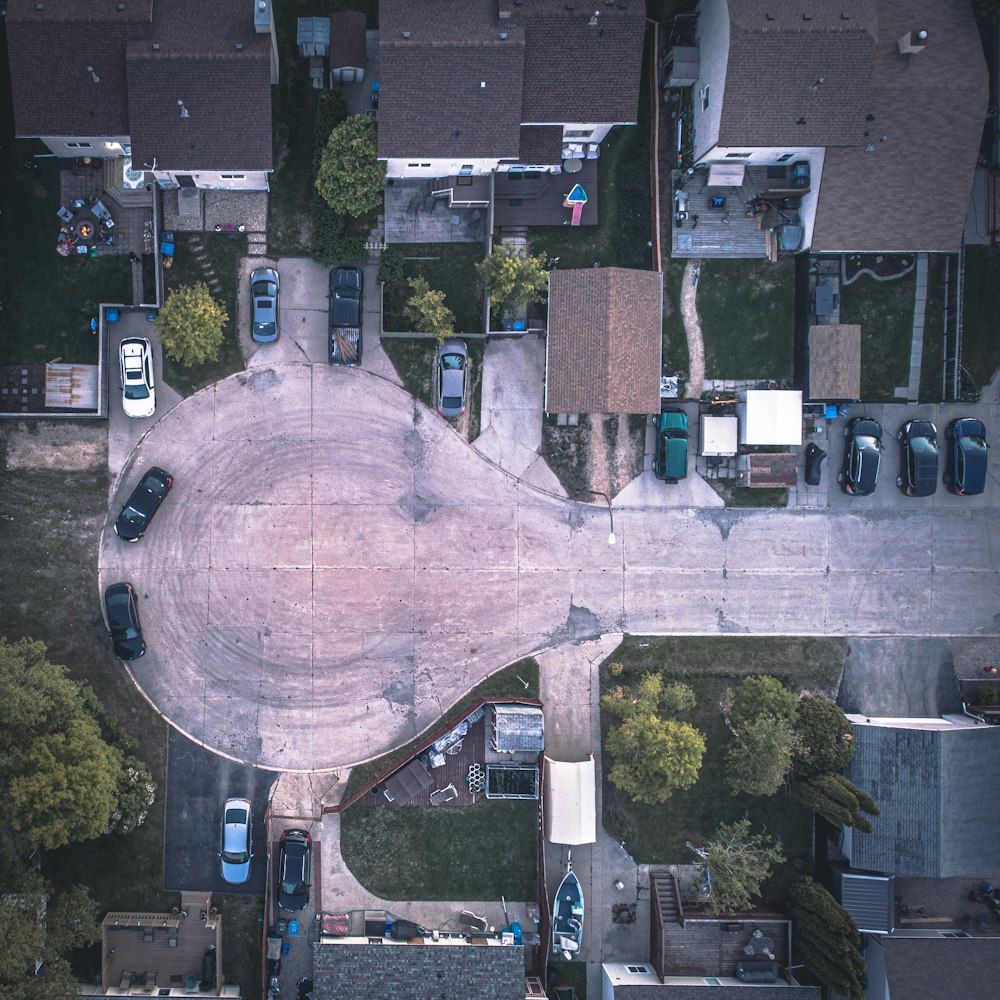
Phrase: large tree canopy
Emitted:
{"points": [[739, 862], [350, 176], [512, 279], [191, 324]]}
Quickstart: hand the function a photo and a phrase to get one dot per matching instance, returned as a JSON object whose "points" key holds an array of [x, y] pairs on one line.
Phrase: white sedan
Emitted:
{"points": [[138, 393]]}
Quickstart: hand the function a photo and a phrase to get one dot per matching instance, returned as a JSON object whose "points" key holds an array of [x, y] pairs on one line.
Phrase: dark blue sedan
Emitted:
{"points": [[966, 471]]}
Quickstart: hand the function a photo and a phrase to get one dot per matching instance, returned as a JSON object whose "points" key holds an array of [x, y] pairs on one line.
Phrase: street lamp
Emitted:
{"points": [[611, 513]]}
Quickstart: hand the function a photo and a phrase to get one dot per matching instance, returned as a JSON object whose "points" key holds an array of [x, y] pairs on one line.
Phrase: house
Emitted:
{"points": [[604, 345], [928, 968], [183, 90], [442, 967], [503, 85], [858, 121], [748, 955], [937, 785]]}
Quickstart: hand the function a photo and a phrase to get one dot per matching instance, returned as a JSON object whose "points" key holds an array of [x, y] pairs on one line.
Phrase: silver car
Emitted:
{"points": [[135, 358], [450, 384], [264, 285], [237, 841]]}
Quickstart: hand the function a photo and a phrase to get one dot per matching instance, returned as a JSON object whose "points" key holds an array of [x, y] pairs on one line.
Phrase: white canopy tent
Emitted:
{"points": [[570, 801], [725, 175], [771, 417], [718, 435]]}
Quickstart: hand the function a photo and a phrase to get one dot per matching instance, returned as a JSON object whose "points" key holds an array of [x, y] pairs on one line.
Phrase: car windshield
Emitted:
{"points": [[347, 293], [136, 390], [134, 516], [235, 857], [455, 361], [268, 288]]}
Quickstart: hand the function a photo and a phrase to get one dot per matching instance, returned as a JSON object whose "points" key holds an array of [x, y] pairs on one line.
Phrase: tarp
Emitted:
{"points": [[718, 435], [570, 801], [725, 175], [771, 417], [410, 781]]}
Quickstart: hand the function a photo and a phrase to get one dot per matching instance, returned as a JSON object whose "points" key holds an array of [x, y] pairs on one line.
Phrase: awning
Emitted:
{"points": [[771, 417], [725, 175], [718, 435], [570, 801]]}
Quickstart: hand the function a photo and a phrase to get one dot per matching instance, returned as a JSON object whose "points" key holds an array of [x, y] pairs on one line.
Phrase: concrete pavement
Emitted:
{"points": [[334, 567]]}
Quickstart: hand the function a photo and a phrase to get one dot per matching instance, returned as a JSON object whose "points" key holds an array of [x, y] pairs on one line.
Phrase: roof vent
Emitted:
{"points": [[813, 88], [770, 17], [870, 148], [571, 6], [807, 17], [912, 42], [503, 36], [593, 18], [406, 34], [239, 46], [121, 7], [39, 6], [801, 121], [184, 111], [844, 16], [93, 75], [482, 84], [156, 46]]}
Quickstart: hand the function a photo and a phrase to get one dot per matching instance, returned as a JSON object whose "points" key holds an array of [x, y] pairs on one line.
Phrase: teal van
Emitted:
{"points": [[671, 456]]}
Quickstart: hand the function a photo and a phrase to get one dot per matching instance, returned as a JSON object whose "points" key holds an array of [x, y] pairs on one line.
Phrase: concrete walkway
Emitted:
{"points": [[911, 391]]}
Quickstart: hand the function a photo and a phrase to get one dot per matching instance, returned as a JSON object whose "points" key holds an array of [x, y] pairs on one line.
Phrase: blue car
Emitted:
{"points": [[966, 470]]}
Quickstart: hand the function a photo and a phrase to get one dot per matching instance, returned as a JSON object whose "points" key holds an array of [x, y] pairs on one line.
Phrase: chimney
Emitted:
{"points": [[912, 42]]}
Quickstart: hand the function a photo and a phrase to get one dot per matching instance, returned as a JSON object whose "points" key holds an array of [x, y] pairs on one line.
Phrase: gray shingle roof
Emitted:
{"points": [[433, 101], [910, 191], [932, 968], [604, 341], [939, 797], [418, 972], [197, 62], [347, 39]]}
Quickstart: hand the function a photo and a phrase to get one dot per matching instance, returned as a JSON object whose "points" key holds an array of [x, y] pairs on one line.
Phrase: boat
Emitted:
{"points": [[567, 916]]}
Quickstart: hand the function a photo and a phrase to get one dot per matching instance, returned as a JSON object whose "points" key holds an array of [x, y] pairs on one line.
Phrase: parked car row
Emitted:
{"points": [[965, 463]]}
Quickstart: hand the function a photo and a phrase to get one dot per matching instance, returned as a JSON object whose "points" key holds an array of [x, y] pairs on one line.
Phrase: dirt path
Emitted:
{"points": [[692, 330], [609, 472]]}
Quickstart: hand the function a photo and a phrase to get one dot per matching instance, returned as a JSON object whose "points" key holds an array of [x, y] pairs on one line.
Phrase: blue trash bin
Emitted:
{"points": [[111, 315], [167, 249]]}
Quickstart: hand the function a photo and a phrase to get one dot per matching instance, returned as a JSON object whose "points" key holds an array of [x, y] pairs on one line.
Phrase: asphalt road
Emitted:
{"points": [[335, 567]]}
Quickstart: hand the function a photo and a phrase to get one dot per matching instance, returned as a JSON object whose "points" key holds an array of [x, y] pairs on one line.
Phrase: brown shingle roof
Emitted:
{"points": [[453, 88], [835, 361], [604, 341], [198, 62], [811, 76], [541, 145], [578, 72], [347, 39]]}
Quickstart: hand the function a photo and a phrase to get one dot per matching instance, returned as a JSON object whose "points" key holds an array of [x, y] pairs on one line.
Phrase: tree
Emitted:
{"points": [[650, 694], [739, 862], [136, 792], [71, 921], [190, 324], [826, 938], [512, 279], [761, 716], [331, 110], [837, 799], [64, 787], [36, 697], [653, 757], [350, 177], [22, 936], [426, 309], [825, 737]]}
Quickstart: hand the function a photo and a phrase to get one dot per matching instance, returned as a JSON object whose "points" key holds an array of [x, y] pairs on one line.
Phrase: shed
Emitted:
{"points": [[408, 782], [835, 361], [770, 469], [348, 48], [869, 899], [719, 435], [518, 729], [771, 417], [313, 36], [570, 801]]}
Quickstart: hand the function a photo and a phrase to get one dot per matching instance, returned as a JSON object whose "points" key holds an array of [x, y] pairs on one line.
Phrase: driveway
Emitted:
{"points": [[335, 567]]}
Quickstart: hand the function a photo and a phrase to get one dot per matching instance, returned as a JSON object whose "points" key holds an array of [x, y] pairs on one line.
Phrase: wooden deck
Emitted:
{"points": [[475, 749], [708, 948], [139, 958], [536, 199]]}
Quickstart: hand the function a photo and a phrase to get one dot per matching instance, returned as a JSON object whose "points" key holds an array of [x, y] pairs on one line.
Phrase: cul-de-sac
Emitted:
{"points": [[496, 499]]}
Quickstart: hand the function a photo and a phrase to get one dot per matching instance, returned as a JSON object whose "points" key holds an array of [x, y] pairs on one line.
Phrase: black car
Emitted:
{"points": [[294, 869], [862, 457], [918, 458], [144, 502], [347, 290], [966, 470], [123, 621]]}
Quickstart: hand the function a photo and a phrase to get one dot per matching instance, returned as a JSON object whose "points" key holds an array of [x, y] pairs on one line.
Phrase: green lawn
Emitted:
{"points": [[47, 301], [658, 834], [293, 109], [675, 348], [980, 353], [484, 851], [747, 313], [505, 683], [885, 311], [933, 353], [448, 267], [223, 252], [624, 230]]}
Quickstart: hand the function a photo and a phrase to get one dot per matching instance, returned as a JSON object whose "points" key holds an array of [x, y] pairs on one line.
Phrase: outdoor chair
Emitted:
{"points": [[455, 748], [441, 795], [65, 214]]}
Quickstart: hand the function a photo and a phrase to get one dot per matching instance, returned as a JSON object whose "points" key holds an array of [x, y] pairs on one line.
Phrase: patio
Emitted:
{"points": [[414, 215]]}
